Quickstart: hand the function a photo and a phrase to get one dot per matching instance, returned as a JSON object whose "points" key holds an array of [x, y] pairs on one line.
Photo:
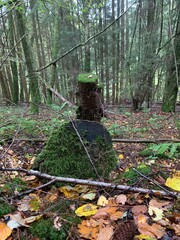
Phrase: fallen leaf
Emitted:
{"points": [[57, 223], [154, 230], [176, 228], [16, 221], [69, 192], [121, 156], [174, 183], [88, 229], [121, 199], [86, 210], [144, 237], [158, 204], [105, 233], [5, 231], [102, 201], [89, 196], [157, 211]]}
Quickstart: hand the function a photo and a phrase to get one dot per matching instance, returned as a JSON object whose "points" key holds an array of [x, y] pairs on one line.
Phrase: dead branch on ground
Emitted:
{"points": [[92, 183]]}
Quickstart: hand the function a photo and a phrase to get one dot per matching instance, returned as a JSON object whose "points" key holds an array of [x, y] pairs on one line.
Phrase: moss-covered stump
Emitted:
{"points": [[65, 156], [89, 96]]}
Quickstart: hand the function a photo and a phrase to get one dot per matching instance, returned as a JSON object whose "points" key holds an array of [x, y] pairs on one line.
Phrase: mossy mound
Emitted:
{"points": [[65, 156]]}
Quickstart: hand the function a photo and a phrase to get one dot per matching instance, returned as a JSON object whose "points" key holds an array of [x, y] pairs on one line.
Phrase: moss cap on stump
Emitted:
{"points": [[65, 156], [87, 78]]}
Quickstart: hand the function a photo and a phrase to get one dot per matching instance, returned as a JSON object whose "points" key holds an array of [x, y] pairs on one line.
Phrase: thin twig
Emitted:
{"points": [[87, 153], [155, 183], [33, 189]]}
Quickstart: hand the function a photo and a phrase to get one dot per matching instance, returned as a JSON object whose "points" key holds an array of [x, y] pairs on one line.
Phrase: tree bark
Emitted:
{"points": [[30, 62]]}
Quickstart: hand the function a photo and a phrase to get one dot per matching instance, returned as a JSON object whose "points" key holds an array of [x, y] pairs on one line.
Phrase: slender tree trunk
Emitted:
{"points": [[30, 62], [106, 61], [5, 90], [113, 55], [15, 87], [173, 70]]}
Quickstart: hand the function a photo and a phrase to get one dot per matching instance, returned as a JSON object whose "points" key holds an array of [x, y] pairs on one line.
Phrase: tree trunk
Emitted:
{"points": [[173, 70], [15, 86], [28, 53]]}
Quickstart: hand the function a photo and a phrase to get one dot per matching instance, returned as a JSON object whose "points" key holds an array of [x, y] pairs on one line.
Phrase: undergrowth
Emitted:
{"points": [[163, 150]]}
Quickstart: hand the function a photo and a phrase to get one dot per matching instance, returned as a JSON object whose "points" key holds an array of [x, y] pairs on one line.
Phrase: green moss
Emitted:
{"points": [[87, 78], [5, 208], [133, 176], [44, 229], [65, 156]]}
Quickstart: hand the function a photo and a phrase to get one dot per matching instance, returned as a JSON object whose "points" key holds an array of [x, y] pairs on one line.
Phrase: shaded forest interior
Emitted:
{"points": [[132, 46]]}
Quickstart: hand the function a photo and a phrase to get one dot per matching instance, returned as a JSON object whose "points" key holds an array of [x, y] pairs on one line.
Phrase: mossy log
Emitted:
{"points": [[90, 102], [64, 154]]}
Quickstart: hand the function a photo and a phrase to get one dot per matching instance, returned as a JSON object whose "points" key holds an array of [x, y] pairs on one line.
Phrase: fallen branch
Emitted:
{"points": [[33, 189], [113, 140], [91, 183], [145, 140]]}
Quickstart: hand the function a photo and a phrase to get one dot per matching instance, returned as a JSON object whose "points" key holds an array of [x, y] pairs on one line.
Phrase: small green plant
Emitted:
{"points": [[167, 150], [115, 130]]}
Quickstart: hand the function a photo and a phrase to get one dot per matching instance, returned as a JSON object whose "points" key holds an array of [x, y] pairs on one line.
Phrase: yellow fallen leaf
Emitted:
{"points": [[5, 231], [102, 201], [121, 156], [174, 182], [69, 192], [86, 210], [144, 237]]}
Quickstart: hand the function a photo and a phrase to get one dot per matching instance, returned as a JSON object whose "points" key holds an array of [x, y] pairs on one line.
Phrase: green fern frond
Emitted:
{"points": [[163, 149]]}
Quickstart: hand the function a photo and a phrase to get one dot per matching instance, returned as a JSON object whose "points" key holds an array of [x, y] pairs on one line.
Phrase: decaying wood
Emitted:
{"points": [[113, 140], [92, 183]]}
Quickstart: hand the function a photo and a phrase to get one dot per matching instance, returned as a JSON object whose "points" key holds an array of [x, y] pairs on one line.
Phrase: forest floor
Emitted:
{"points": [[56, 213]]}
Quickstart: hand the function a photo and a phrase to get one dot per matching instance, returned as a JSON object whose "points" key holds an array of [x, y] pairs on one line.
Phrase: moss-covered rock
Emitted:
{"points": [[65, 156]]}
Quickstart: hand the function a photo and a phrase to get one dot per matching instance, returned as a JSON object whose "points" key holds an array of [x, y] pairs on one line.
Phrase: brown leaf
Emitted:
{"points": [[105, 233]]}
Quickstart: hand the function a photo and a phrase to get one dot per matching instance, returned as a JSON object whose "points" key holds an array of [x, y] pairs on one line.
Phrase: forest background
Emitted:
{"points": [[133, 47]]}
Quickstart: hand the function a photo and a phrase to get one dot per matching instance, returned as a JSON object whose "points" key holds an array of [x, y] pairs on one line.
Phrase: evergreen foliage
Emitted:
{"points": [[168, 150]]}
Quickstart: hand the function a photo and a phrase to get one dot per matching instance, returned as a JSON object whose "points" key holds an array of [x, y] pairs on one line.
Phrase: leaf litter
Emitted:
{"points": [[103, 214]]}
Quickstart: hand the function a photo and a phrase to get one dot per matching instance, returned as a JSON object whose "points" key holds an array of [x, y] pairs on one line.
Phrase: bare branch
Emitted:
{"points": [[151, 180], [88, 40], [145, 140], [91, 183]]}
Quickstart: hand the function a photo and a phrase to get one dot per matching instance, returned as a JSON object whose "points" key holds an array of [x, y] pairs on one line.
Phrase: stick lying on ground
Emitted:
{"points": [[92, 183]]}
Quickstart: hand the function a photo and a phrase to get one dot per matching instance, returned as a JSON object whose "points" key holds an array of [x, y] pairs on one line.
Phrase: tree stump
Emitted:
{"points": [[64, 154], [89, 96]]}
